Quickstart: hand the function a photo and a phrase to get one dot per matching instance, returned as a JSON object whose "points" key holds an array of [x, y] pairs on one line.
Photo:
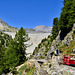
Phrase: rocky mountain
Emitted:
{"points": [[42, 28], [39, 29], [5, 27]]}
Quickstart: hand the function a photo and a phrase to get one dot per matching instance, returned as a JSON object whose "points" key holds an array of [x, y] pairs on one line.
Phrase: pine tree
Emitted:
{"points": [[55, 28], [67, 17], [65, 20], [21, 37], [15, 54]]}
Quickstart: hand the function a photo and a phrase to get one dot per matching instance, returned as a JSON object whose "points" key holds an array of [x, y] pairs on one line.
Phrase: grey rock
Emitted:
{"points": [[54, 46], [73, 27], [5, 27]]}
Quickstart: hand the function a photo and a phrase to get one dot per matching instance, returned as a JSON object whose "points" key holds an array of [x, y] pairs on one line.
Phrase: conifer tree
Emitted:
{"points": [[67, 18], [55, 28], [15, 54], [21, 37]]}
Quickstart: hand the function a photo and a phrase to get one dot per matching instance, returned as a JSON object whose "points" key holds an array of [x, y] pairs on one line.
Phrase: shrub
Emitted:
{"points": [[73, 31], [14, 71], [27, 69], [50, 65]]}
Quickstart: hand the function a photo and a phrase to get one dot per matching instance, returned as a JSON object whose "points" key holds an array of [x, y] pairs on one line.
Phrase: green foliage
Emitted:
{"points": [[42, 57], [16, 50], [68, 49], [14, 71], [55, 28], [31, 72], [27, 69], [22, 69], [3, 46], [50, 65], [67, 17], [21, 37], [12, 53], [43, 40], [73, 31]]}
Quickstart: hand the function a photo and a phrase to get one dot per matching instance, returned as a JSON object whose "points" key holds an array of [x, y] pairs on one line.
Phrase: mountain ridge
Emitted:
{"points": [[5, 27], [39, 29]]}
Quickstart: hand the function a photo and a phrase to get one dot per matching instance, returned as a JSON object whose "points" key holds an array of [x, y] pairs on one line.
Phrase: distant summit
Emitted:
{"points": [[5, 27], [39, 29], [42, 28]]}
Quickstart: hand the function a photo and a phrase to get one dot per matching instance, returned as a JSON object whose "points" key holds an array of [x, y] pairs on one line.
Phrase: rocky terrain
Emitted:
{"points": [[5, 27], [53, 65]]}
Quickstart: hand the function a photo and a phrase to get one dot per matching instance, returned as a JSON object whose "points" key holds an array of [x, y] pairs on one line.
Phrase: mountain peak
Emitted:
{"points": [[43, 28]]}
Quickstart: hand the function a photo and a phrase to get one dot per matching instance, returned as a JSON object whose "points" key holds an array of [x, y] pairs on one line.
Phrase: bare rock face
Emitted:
{"points": [[54, 46]]}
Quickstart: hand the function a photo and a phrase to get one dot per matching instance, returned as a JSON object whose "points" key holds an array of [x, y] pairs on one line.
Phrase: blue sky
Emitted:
{"points": [[30, 13]]}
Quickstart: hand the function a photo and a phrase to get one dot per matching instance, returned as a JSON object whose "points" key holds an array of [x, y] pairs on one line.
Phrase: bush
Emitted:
{"points": [[14, 71], [27, 69], [73, 31], [50, 65]]}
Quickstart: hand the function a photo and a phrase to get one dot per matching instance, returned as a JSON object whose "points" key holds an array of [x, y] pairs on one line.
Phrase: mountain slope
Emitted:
{"points": [[5, 27]]}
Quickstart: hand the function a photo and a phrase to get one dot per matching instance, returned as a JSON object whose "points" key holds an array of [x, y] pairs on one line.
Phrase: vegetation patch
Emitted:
{"points": [[68, 49], [22, 69], [50, 65], [31, 72], [27, 69]]}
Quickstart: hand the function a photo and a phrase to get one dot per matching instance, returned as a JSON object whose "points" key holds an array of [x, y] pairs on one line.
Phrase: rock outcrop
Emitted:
{"points": [[54, 45]]}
